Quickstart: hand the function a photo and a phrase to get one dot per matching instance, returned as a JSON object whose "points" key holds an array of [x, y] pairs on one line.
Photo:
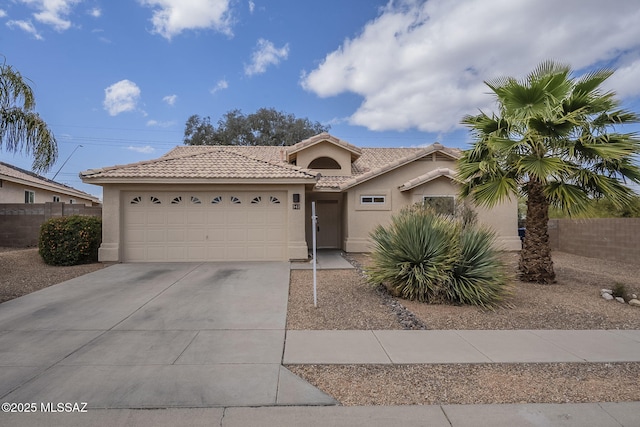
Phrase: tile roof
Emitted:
{"points": [[10, 173], [202, 163], [263, 162], [324, 136], [429, 176]]}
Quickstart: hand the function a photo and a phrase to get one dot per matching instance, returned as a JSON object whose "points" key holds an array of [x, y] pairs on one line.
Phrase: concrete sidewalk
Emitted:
{"points": [[465, 346], [533, 415]]}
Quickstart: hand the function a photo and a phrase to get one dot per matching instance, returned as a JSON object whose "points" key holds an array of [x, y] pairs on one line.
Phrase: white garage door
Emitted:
{"points": [[199, 226]]}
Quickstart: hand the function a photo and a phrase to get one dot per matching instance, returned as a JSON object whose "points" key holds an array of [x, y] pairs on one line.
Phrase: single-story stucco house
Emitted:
{"points": [[216, 203], [22, 186]]}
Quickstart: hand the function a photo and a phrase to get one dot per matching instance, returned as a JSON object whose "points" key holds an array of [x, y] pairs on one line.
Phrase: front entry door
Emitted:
{"points": [[328, 235]]}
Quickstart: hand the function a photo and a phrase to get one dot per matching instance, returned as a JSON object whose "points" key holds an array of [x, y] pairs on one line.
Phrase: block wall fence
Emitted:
{"points": [[616, 239], [20, 223]]}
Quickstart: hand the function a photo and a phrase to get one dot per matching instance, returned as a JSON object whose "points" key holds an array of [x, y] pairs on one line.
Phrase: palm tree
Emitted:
{"points": [[21, 129], [552, 141]]}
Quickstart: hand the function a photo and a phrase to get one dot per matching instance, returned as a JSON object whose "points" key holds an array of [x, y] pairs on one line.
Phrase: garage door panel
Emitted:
{"points": [[235, 235], [236, 217], [175, 235], [257, 217], [177, 253], [136, 217], [204, 226], [156, 253], [256, 235], [135, 236], [176, 217], [136, 254], [196, 235], [156, 235], [198, 217], [275, 235], [216, 217], [155, 216], [236, 253]]}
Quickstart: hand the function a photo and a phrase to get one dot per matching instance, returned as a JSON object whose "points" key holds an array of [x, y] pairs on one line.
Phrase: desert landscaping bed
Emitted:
{"points": [[346, 301], [22, 271]]}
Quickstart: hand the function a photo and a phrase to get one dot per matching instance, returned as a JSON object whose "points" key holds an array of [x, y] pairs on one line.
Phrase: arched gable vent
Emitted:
{"points": [[324, 163]]}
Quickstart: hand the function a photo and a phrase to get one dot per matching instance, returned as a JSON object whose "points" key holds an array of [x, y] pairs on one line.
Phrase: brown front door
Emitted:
{"points": [[328, 224]]}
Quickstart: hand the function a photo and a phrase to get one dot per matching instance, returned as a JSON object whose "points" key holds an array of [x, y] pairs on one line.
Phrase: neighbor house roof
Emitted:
{"points": [[218, 162], [21, 176]]}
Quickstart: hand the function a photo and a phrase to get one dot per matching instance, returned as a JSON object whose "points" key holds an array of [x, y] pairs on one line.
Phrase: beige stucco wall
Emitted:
{"points": [[111, 249], [326, 149], [12, 192], [362, 220]]}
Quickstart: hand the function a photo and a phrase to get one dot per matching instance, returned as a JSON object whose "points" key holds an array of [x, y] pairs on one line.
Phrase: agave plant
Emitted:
{"points": [[433, 258], [413, 254]]}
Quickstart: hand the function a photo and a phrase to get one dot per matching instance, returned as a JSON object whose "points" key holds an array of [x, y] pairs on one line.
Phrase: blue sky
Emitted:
{"points": [[120, 78]]}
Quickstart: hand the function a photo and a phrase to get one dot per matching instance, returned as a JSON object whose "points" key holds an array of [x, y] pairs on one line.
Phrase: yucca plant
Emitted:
{"points": [[478, 275], [413, 254], [431, 258]]}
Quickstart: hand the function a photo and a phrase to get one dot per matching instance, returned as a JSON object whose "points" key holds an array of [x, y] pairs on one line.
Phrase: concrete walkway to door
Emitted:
{"points": [[154, 336]]}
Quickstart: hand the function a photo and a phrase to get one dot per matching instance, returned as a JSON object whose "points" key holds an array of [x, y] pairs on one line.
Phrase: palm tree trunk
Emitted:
{"points": [[535, 256]]}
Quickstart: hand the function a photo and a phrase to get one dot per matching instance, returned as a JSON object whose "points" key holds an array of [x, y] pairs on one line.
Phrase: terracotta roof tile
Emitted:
{"points": [[200, 163], [246, 162]]}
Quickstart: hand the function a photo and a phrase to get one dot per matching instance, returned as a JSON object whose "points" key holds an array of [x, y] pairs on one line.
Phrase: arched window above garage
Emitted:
{"points": [[324, 163]]}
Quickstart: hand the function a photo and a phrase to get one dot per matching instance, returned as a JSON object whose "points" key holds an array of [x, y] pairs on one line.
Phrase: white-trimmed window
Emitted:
{"points": [[441, 204], [373, 200], [72, 201], [29, 196], [56, 199]]}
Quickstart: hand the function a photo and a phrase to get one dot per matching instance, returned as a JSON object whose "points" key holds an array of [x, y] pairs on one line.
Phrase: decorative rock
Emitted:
{"points": [[607, 296], [634, 296], [634, 302], [620, 299], [606, 291]]}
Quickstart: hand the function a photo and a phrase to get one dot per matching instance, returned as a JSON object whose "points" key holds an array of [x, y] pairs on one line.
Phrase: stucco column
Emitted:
{"points": [[296, 212], [109, 250]]}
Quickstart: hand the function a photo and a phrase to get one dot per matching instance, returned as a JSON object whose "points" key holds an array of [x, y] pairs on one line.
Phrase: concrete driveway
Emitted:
{"points": [[154, 336]]}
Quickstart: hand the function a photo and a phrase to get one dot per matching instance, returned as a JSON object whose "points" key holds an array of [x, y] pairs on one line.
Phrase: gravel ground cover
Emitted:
{"points": [[22, 271], [346, 301]]}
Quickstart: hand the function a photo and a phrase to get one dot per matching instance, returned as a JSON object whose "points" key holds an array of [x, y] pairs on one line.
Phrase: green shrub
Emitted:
{"points": [[70, 240], [428, 257], [620, 290]]}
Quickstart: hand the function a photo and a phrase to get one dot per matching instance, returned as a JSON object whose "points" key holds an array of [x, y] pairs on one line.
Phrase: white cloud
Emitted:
{"points": [[52, 12], [155, 123], [25, 26], [170, 99], [171, 17], [3, 13], [96, 12], [252, 6], [422, 64], [221, 85], [264, 55], [121, 97], [147, 149]]}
